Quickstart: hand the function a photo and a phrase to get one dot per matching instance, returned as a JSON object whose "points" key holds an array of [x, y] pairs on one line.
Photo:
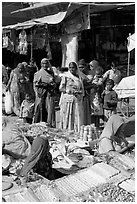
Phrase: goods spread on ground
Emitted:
{"points": [[91, 177]]}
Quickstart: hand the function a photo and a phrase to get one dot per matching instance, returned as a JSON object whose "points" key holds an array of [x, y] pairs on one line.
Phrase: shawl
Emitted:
{"points": [[43, 75], [77, 80], [40, 147]]}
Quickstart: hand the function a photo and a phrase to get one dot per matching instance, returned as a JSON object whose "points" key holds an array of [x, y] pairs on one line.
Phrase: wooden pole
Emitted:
{"points": [[31, 56]]}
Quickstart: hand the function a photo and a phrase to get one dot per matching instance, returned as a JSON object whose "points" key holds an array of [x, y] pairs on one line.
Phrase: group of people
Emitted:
{"points": [[85, 93]]}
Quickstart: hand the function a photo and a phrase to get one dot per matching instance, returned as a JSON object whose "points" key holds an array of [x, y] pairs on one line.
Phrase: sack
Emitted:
{"points": [[8, 102]]}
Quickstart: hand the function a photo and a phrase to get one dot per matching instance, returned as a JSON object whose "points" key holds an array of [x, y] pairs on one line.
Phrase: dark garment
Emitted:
{"points": [[87, 110], [31, 71], [110, 100], [45, 110], [39, 159], [45, 97], [27, 120], [128, 128]]}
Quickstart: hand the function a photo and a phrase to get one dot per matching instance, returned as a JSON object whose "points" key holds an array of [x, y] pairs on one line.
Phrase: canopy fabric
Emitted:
{"points": [[54, 13], [52, 19], [95, 7], [126, 87]]}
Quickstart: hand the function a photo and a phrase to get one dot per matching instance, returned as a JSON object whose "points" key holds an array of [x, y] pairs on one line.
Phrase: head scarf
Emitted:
{"points": [[79, 74], [39, 149], [94, 63], [25, 63], [45, 60]]}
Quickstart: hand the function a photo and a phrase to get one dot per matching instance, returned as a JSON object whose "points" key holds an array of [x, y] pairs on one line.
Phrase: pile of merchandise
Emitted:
{"points": [[92, 177]]}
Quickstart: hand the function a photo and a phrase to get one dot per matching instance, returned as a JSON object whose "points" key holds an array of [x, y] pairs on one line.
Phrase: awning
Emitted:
{"points": [[54, 13], [52, 19], [49, 8]]}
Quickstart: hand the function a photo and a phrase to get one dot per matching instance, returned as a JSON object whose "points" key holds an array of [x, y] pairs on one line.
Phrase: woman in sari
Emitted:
{"points": [[44, 87], [17, 85], [71, 101], [87, 81]]}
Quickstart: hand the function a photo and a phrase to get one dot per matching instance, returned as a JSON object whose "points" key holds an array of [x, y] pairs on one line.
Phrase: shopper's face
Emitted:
{"points": [[45, 64], [27, 97], [72, 68], [26, 66], [109, 86], [81, 67], [20, 67], [91, 67]]}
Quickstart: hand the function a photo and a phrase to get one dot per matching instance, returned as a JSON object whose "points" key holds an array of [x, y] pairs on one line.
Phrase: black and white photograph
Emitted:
{"points": [[68, 101]]}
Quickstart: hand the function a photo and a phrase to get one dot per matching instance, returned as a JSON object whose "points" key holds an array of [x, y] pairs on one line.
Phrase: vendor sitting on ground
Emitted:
{"points": [[39, 159], [117, 129], [14, 143]]}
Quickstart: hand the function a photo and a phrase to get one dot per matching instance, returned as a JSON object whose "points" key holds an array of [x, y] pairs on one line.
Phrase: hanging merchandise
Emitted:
{"points": [[5, 41], [23, 43], [10, 45]]}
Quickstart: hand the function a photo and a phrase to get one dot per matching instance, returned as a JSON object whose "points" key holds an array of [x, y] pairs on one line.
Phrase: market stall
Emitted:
{"points": [[126, 92]]}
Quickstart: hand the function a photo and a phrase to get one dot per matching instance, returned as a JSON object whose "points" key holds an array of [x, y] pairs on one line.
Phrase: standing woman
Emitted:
{"points": [[87, 82], [44, 87], [71, 101], [17, 86]]}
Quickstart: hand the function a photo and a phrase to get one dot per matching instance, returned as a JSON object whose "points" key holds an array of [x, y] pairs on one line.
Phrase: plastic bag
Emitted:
{"points": [[8, 102]]}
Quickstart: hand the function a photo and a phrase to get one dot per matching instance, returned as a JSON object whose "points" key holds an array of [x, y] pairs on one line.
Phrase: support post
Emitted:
{"points": [[31, 56]]}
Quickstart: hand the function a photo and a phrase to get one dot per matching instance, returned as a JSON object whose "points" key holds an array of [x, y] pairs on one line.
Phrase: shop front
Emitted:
{"points": [[87, 33]]}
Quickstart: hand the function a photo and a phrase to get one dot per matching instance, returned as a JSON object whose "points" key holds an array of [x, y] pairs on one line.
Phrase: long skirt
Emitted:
{"points": [[45, 110], [71, 114], [17, 98], [87, 110]]}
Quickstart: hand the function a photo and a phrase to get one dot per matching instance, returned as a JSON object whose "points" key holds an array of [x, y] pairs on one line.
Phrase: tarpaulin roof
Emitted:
{"points": [[51, 7], [54, 13], [55, 18], [52, 19]]}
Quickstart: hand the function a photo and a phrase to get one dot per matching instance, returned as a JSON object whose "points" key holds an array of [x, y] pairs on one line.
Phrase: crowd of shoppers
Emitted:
{"points": [[85, 91]]}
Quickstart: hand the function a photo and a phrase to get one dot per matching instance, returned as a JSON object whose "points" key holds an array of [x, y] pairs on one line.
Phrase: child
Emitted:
{"points": [[110, 100], [27, 109]]}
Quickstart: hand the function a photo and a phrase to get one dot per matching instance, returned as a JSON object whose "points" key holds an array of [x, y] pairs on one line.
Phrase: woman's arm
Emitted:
{"points": [[62, 86], [106, 75]]}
